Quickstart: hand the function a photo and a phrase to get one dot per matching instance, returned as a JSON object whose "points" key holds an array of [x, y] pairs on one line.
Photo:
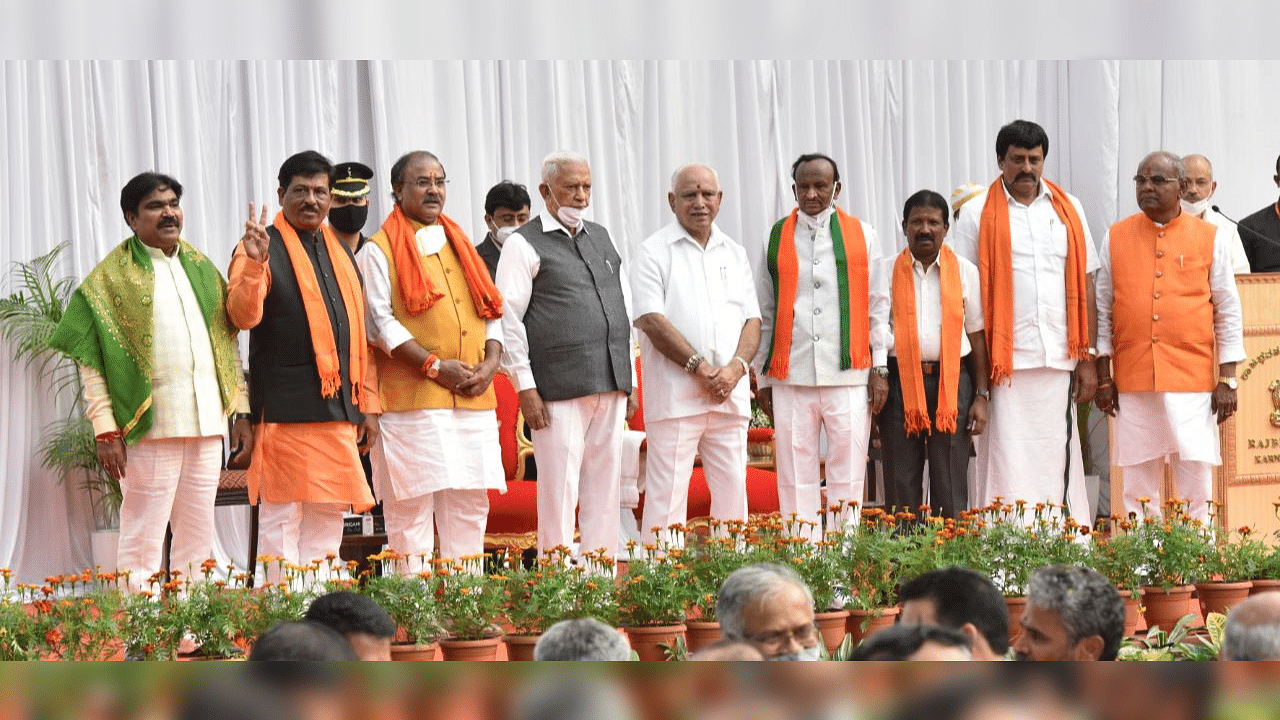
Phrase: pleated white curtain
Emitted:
{"points": [[72, 133]]}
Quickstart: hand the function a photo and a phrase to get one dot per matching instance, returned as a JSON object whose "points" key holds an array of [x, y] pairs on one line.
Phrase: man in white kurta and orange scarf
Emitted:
{"points": [[815, 347], [1167, 300], [1035, 257], [434, 317]]}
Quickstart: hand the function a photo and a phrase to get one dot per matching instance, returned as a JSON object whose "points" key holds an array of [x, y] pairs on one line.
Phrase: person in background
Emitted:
{"points": [[582, 639], [769, 606], [363, 622], [1199, 191], [1260, 235], [959, 599], [506, 207], [1072, 613], [349, 209]]}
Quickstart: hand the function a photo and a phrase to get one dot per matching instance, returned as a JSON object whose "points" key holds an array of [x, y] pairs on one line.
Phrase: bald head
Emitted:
{"points": [[1253, 629], [695, 199]]}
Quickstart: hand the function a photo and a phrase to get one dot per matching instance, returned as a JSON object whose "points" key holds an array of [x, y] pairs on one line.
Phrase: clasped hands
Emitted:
{"points": [[465, 379], [718, 382]]}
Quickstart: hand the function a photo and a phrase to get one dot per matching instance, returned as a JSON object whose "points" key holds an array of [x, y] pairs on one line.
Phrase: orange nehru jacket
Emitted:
{"points": [[450, 328], [1163, 309]]}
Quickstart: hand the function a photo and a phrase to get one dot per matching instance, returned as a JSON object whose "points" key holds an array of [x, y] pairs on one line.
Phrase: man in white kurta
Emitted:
{"points": [[1166, 398], [439, 453], [818, 392], [693, 298], [1197, 200], [1031, 449]]}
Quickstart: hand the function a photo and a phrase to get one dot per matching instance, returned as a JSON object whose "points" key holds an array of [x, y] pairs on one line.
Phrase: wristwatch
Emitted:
{"points": [[881, 370], [1229, 382], [1091, 353], [433, 370], [982, 394]]}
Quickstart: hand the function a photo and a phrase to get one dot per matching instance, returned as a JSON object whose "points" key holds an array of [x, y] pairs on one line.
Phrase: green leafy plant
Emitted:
{"points": [[1173, 546], [655, 589], [552, 590], [409, 602], [144, 627], [469, 602], [1182, 643]]}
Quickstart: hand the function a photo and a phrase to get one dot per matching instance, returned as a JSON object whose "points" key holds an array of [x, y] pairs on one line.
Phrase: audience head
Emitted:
{"points": [[695, 198], [304, 189], [566, 186], [769, 606], [960, 599], [964, 194], [815, 182], [1021, 147], [363, 622], [233, 695], [571, 696], [915, 642], [730, 650], [1160, 182], [1253, 629], [152, 209], [582, 639], [1072, 613], [418, 185], [301, 640], [506, 207], [1200, 185]]}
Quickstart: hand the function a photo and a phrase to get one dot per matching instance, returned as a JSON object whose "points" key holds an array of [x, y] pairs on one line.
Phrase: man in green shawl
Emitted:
{"points": [[162, 373]]}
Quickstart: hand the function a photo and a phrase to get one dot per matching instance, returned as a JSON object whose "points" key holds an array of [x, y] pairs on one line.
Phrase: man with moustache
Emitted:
{"points": [[433, 315], [312, 387], [815, 349], [930, 362], [1260, 233], [162, 373], [568, 352], [1035, 260], [349, 207], [696, 305], [1195, 201], [506, 208], [1167, 304]]}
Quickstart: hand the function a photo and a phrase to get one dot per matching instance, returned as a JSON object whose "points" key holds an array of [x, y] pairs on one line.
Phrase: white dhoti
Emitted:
{"points": [[1031, 448], [799, 414], [432, 469], [1150, 427], [579, 456], [168, 482], [721, 438]]}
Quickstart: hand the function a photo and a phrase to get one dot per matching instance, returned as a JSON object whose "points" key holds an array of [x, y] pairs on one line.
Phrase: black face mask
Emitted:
{"points": [[348, 218]]}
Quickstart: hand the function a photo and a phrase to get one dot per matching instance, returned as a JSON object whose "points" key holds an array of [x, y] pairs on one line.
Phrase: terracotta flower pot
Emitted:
{"points": [[464, 650], [1016, 605], [413, 653], [1132, 613], [832, 626], [1220, 597], [1261, 586], [520, 647], [1165, 608], [651, 642], [701, 633], [875, 620]]}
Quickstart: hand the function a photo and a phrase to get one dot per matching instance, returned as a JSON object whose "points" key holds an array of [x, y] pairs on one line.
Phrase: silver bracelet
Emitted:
{"points": [[746, 369], [691, 365]]}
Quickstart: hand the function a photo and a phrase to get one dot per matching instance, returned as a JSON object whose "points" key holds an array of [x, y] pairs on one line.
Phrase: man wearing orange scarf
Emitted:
{"points": [[1035, 257], [815, 348], [930, 358], [434, 319], [312, 392], [1167, 304]]}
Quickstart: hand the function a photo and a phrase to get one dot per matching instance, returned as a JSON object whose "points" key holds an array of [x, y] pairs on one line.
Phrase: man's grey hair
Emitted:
{"points": [[752, 584], [582, 639], [1253, 629], [1087, 603], [556, 161], [690, 166], [571, 696], [1179, 167]]}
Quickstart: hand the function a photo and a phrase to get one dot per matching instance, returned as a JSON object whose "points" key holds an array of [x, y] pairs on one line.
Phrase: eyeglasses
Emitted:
{"points": [[1141, 180], [802, 635], [425, 183]]}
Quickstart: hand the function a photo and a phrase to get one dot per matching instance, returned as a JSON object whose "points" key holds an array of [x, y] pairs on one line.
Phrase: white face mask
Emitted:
{"points": [[805, 654], [571, 217], [1195, 208], [501, 234]]}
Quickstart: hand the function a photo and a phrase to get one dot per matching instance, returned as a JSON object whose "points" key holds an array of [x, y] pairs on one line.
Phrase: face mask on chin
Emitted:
{"points": [[1195, 208], [570, 217], [348, 218], [805, 655]]}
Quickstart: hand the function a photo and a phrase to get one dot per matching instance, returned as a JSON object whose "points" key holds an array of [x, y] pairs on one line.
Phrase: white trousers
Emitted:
{"points": [[1192, 480], [799, 413], [721, 439], [459, 514], [579, 457], [298, 532], [168, 482]]}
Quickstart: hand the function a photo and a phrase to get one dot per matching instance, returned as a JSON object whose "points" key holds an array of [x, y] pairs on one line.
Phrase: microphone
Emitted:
{"points": [[1245, 227]]}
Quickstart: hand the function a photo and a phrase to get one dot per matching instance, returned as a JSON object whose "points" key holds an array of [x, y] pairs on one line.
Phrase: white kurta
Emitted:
{"points": [[928, 293], [1235, 246]]}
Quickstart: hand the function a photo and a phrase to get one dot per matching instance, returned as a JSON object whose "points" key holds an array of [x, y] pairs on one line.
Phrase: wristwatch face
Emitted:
{"points": [[1229, 382], [434, 371]]}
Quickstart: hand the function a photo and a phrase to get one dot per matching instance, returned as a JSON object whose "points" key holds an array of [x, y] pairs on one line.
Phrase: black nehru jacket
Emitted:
{"points": [[490, 252], [284, 382], [1260, 235]]}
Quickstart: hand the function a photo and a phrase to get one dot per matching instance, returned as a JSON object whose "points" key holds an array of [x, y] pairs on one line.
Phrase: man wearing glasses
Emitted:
{"points": [[769, 606], [1166, 297]]}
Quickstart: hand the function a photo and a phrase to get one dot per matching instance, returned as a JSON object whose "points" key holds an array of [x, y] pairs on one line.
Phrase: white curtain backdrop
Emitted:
{"points": [[72, 133]]}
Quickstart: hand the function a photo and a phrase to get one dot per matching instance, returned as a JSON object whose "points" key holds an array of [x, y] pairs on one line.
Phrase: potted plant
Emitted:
{"points": [[411, 605], [710, 560], [146, 628], [1229, 568], [213, 616], [1118, 554], [1172, 546], [874, 556], [469, 604], [652, 598]]}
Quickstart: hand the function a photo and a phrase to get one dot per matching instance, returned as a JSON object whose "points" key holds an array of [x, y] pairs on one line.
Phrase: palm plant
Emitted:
{"points": [[28, 318]]}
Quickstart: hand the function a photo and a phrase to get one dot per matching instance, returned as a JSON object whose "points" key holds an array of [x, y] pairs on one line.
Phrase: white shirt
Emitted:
{"points": [[815, 329], [1239, 260], [708, 295], [1228, 323], [928, 291], [381, 325], [1039, 244], [186, 399], [517, 267]]}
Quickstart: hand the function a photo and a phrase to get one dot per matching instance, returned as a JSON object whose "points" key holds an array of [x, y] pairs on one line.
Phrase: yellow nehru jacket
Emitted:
{"points": [[1163, 309], [451, 329]]}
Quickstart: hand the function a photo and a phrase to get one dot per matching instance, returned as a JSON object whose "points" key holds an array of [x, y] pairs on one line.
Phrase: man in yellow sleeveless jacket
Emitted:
{"points": [[1166, 299]]}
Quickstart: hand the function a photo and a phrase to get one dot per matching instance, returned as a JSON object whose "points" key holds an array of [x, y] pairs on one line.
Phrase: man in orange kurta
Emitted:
{"points": [[1167, 300], [312, 391]]}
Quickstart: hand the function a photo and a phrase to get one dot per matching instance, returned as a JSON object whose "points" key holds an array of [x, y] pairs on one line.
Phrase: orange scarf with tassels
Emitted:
{"points": [[851, 277], [995, 266], [322, 341], [416, 288], [906, 341]]}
